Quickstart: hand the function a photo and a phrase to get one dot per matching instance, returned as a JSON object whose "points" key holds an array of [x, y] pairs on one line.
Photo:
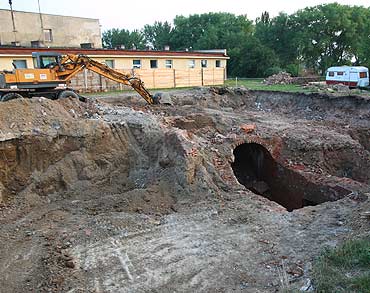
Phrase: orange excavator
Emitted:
{"points": [[51, 76]]}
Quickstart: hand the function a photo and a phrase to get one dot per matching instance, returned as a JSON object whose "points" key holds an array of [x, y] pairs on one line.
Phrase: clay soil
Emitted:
{"points": [[227, 190]]}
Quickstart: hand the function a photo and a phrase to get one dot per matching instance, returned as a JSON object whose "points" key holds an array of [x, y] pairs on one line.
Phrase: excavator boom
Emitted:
{"points": [[71, 64]]}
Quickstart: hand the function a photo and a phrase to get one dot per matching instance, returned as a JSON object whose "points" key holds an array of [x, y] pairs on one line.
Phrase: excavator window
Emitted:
{"points": [[45, 60]]}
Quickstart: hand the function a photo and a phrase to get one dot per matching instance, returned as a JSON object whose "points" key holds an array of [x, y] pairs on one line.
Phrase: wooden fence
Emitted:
{"points": [[88, 81]]}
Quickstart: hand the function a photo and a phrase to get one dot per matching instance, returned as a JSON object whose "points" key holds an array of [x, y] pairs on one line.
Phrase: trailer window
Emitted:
{"points": [[331, 73], [340, 73], [363, 74]]}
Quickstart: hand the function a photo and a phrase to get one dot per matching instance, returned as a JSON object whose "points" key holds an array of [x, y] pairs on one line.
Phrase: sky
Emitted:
{"points": [[135, 14]]}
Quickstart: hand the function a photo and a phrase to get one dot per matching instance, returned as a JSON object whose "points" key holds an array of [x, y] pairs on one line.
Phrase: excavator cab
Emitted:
{"points": [[43, 60]]}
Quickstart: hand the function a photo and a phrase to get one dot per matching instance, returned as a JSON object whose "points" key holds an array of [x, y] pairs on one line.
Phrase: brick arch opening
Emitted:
{"points": [[256, 169]]}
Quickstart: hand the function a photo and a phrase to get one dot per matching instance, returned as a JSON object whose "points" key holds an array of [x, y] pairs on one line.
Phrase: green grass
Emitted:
{"points": [[344, 269], [256, 84]]}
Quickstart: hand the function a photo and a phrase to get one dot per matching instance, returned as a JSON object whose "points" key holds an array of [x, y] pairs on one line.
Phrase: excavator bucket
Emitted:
{"points": [[163, 98]]}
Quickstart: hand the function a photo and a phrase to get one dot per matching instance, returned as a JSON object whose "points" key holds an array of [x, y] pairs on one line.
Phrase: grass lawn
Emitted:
{"points": [[256, 84], [344, 269]]}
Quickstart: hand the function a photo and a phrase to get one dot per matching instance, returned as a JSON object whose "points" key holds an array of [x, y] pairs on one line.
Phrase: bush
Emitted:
{"points": [[293, 69]]}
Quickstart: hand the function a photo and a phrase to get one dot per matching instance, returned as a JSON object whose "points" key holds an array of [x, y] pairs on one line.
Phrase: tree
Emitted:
{"points": [[251, 59], [324, 35], [360, 42], [210, 30], [158, 35], [278, 35], [117, 37], [213, 31]]}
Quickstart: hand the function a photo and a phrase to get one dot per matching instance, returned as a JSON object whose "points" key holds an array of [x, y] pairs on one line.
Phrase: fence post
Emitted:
{"points": [[85, 79], [174, 78], [236, 81]]}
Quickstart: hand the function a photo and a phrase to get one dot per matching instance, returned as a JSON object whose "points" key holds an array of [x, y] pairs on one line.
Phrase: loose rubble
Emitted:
{"points": [[279, 78], [286, 78]]}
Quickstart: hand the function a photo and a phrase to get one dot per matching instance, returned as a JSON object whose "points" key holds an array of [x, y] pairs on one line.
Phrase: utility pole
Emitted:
{"points": [[12, 14], [42, 23]]}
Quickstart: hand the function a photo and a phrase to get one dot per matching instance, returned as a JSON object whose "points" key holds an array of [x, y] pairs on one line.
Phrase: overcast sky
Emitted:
{"points": [[135, 14]]}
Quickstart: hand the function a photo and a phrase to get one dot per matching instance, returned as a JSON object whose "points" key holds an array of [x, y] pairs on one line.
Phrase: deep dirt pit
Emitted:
{"points": [[115, 196], [256, 169]]}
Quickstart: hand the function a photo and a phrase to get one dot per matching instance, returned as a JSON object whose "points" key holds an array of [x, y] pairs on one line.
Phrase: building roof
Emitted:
{"points": [[33, 12], [112, 52]]}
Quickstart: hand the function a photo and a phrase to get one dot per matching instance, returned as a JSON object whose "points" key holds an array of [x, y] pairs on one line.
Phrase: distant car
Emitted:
{"points": [[352, 76]]}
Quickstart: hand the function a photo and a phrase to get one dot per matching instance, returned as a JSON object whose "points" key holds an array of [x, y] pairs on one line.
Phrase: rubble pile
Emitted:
{"points": [[339, 89], [286, 78], [279, 78], [302, 80]]}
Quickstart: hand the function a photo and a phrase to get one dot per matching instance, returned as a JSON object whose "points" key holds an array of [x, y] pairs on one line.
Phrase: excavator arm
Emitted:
{"points": [[71, 64]]}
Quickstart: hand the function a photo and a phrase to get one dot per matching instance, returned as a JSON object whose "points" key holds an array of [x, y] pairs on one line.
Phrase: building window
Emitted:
{"points": [[109, 63], [204, 63], [191, 63], [19, 64], [363, 74], [48, 36], [218, 63], [331, 73], [153, 63], [168, 63], [87, 45], [136, 64], [340, 73]]}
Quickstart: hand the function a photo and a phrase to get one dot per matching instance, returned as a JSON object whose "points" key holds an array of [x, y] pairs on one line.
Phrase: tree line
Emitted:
{"points": [[313, 38]]}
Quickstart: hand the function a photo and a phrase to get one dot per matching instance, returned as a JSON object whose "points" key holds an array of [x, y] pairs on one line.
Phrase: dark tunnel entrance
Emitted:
{"points": [[256, 169]]}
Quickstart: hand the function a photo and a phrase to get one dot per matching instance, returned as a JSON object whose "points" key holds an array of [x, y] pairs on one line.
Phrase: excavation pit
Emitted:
{"points": [[256, 169], [92, 185]]}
